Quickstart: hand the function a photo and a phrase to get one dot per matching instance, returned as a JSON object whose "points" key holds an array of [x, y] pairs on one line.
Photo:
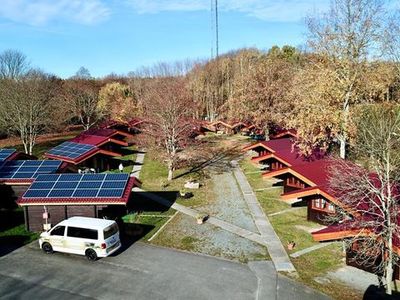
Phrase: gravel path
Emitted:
{"points": [[229, 204]]}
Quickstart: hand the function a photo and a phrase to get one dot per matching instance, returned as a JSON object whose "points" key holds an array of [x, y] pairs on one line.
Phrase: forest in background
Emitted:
{"points": [[352, 59]]}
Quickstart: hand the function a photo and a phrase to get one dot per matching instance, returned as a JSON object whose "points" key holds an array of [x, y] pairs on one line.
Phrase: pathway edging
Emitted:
{"points": [[274, 245]]}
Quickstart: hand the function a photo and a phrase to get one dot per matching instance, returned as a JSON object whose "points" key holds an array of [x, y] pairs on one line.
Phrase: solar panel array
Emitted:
{"points": [[27, 169], [78, 186], [71, 149], [5, 153]]}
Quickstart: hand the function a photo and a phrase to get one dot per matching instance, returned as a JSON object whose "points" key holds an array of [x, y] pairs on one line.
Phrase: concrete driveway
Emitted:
{"points": [[140, 272]]}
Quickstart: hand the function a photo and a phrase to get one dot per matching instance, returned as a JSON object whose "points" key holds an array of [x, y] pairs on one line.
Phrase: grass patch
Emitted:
{"points": [[285, 226], [172, 237], [318, 263], [17, 236], [154, 175]]}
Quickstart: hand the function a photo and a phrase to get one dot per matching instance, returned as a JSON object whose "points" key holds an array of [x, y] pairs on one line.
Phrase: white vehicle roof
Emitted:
{"points": [[85, 222]]}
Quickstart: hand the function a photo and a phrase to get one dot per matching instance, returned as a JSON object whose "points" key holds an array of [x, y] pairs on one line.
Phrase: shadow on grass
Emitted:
{"points": [[142, 201], [218, 161], [126, 151], [130, 233]]}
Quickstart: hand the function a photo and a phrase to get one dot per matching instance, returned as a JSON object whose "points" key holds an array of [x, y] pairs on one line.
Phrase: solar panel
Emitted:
{"points": [[71, 149], [66, 185], [78, 186], [120, 176], [36, 193], [86, 193], [114, 185], [42, 185], [5, 153], [90, 184], [110, 193], [93, 177], [60, 193], [27, 169]]}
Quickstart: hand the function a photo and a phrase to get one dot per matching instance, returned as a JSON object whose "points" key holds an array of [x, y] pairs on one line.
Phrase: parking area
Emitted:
{"points": [[140, 272]]}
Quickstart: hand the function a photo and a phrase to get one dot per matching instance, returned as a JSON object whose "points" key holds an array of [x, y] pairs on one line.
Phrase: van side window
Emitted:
{"points": [[59, 230], [82, 233]]}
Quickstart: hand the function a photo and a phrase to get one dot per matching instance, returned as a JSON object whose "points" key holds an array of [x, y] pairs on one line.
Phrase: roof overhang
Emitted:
{"points": [[288, 171], [259, 144], [269, 156], [84, 157]]}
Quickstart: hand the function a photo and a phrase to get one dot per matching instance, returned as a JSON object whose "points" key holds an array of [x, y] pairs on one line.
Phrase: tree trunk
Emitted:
{"points": [[170, 173], [343, 136], [170, 170], [342, 140], [389, 270]]}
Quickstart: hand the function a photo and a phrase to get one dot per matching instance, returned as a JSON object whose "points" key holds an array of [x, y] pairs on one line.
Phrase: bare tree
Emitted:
{"points": [[345, 38], [391, 40], [82, 97], [13, 64], [82, 73], [168, 108], [372, 192], [26, 106]]}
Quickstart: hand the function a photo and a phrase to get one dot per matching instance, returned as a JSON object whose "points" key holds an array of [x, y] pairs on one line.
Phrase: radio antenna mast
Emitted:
{"points": [[214, 28]]}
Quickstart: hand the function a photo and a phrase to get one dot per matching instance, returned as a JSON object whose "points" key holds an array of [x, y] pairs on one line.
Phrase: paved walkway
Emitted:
{"points": [[137, 167], [309, 249], [275, 248]]}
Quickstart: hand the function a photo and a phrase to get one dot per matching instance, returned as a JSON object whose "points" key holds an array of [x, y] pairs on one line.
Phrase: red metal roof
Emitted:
{"points": [[284, 133], [90, 139], [132, 182], [317, 171]]}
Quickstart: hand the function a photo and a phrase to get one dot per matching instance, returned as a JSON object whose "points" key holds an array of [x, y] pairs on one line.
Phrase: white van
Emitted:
{"points": [[80, 235]]}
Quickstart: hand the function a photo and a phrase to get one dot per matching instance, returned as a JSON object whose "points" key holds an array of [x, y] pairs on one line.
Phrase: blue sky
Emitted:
{"points": [[107, 36]]}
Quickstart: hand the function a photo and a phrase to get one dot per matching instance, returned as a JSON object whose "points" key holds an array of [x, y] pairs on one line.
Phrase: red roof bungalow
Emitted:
{"points": [[276, 154], [251, 129], [54, 198], [285, 133], [132, 126], [92, 148], [228, 128], [309, 182]]}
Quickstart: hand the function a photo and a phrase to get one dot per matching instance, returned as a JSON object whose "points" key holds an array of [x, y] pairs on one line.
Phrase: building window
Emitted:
{"points": [[322, 204]]}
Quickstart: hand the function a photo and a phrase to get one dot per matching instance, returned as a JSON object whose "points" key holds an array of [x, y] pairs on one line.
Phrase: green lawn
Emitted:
{"points": [[285, 226], [154, 177]]}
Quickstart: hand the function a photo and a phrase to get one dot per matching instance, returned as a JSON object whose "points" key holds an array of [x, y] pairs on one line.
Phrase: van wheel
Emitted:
{"points": [[91, 254], [47, 248]]}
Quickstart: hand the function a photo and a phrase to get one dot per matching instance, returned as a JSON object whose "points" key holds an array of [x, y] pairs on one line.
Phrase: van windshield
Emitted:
{"points": [[110, 231]]}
